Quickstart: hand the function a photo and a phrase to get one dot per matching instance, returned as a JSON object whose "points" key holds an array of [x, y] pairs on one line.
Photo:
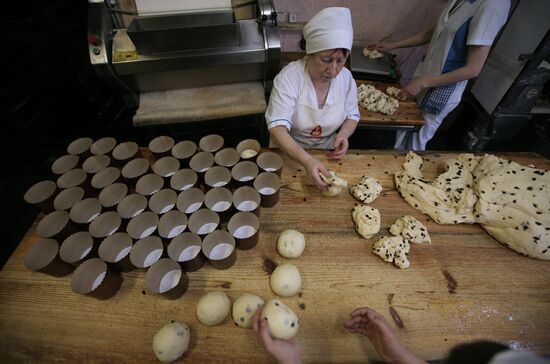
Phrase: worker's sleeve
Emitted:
{"points": [[283, 99], [487, 21], [351, 108]]}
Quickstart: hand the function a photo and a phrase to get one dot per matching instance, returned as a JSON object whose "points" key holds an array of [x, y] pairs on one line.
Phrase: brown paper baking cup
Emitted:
{"points": [[244, 173], [105, 225], [190, 200], [247, 199], [183, 151], [270, 162], [248, 149], [80, 147], [172, 224], [211, 143], [75, 177], [43, 257], [245, 228], [42, 195], [146, 251], [226, 157], [269, 186], [217, 177], [96, 163], [220, 200], [65, 163], [67, 198], [161, 146], [96, 279], [200, 163], [166, 167], [166, 277], [184, 179], [142, 225], [163, 201], [115, 250], [186, 250], [56, 225], [203, 222], [105, 177], [124, 152], [77, 248], [134, 169], [131, 206], [149, 184], [219, 249], [85, 211], [103, 146], [110, 196]]}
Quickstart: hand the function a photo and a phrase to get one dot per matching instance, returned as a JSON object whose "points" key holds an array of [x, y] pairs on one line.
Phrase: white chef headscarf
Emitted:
{"points": [[329, 29]]}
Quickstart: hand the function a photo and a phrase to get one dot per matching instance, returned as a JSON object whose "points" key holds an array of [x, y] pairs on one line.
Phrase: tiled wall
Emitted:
{"points": [[372, 20]]}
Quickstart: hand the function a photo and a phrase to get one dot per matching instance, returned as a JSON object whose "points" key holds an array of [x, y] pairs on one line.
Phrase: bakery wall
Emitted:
{"points": [[372, 20]]}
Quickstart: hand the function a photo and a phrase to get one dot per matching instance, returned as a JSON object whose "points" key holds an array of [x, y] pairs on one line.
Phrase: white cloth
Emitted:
{"points": [[517, 357], [329, 29], [293, 104]]}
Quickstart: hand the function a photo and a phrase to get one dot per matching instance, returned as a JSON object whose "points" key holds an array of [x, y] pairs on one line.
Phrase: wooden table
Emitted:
{"points": [[499, 294]]}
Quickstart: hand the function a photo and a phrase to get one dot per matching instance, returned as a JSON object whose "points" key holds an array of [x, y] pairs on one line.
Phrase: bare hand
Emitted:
{"points": [[314, 168], [381, 46], [284, 351], [412, 89], [341, 145]]}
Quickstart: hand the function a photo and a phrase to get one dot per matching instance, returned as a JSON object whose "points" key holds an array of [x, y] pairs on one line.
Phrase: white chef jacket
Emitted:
{"points": [[293, 104]]}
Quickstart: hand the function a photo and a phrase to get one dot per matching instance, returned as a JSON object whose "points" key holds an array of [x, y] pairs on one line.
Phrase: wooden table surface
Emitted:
{"points": [[499, 294]]}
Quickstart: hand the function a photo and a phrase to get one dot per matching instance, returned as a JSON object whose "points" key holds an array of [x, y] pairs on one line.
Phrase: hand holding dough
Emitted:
{"points": [[291, 243], [335, 184], [282, 321], [244, 309]]}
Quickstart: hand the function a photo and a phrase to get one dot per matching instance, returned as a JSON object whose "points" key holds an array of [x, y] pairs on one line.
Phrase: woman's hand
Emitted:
{"points": [[413, 88], [285, 351], [314, 168], [381, 46], [341, 145]]}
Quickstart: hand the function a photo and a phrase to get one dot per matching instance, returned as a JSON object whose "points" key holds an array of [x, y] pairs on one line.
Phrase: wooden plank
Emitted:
{"points": [[500, 295]]}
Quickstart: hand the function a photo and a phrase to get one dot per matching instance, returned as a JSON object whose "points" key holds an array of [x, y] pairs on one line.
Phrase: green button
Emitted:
{"points": [[96, 51]]}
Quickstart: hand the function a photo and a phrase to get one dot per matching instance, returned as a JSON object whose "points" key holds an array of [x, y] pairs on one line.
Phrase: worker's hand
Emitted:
{"points": [[381, 46], [285, 351], [314, 168], [412, 89], [341, 145], [368, 322]]}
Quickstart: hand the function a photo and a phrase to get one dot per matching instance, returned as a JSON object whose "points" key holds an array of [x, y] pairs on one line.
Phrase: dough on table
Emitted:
{"points": [[367, 189], [374, 54], [375, 100], [244, 309], [213, 308], [291, 243], [285, 280], [367, 220], [393, 249], [335, 184], [393, 91], [411, 230], [171, 341], [281, 320]]}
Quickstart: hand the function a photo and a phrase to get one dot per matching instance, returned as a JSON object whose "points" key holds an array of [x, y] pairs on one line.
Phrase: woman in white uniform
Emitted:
{"points": [[313, 103], [459, 45]]}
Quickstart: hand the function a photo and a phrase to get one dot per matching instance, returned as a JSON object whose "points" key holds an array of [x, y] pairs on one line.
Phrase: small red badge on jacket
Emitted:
{"points": [[316, 132]]}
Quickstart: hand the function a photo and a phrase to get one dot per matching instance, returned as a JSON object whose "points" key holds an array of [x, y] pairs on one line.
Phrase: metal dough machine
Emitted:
{"points": [[184, 49]]}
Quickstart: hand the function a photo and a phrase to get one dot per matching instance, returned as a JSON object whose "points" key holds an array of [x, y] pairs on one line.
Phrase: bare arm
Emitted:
{"points": [[313, 166], [477, 55], [341, 143], [416, 40]]}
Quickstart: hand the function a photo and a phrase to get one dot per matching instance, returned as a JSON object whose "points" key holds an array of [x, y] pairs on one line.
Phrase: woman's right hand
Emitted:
{"points": [[382, 46], [314, 168]]}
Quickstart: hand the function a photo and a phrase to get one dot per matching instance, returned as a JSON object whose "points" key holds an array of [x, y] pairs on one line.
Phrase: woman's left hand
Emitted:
{"points": [[341, 145], [413, 88]]}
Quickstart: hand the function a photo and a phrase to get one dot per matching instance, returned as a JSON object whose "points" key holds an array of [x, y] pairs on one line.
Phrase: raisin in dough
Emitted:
{"points": [[367, 220], [393, 249], [281, 320], [244, 309], [335, 184], [411, 230], [375, 100], [367, 189]]}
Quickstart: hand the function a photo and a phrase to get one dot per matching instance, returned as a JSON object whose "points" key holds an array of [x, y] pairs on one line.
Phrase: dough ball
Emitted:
{"points": [[248, 153], [374, 54], [291, 243], [410, 229], [393, 91], [282, 321], [244, 309], [213, 308], [335, 184], [367, 189], [367, 220], [171, 341], [285, 280], [393, 249]]}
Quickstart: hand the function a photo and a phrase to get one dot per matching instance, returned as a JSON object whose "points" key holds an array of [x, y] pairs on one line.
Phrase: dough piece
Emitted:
{"points": [[367, 189], [375, 100], [367, 220], [171, 341], [335, 184], [393, 249], [248, 153], [285, 280], [393, 91], [244, 309], [282, 321], [372, 54], [291, 243], [411, 230], [213, 308]]}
